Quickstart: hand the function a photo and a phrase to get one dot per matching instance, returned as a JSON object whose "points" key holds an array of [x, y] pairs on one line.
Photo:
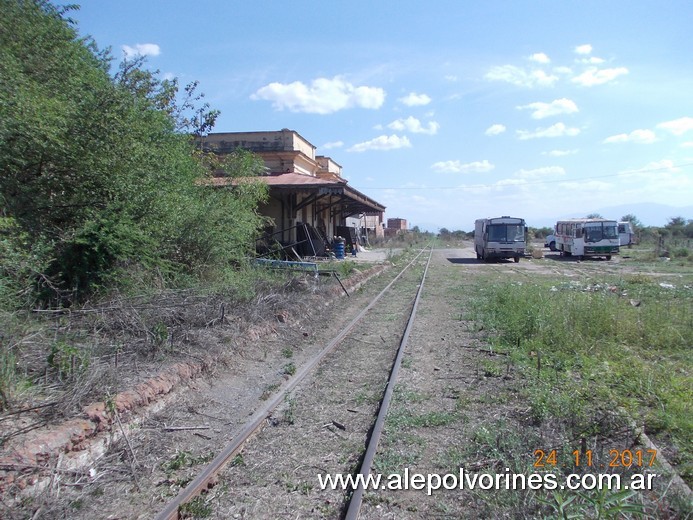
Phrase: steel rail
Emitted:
{"points": [[201, 482], [354, 507]]}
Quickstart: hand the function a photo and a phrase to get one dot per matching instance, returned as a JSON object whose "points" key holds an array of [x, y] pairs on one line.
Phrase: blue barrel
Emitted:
{"points": [[339, 250]]}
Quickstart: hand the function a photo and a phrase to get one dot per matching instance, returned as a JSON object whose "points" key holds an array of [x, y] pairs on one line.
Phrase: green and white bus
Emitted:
{"points": [[586, 237]]}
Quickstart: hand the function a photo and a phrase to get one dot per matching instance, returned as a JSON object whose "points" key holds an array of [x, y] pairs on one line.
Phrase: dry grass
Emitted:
{"points": [[68, 358]]}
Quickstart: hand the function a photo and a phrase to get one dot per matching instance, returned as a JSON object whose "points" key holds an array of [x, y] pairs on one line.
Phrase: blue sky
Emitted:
{"points": [[447, 111]]}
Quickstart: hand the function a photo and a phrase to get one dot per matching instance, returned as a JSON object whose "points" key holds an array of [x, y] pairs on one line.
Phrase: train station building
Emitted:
{"points": [[309, 201]]}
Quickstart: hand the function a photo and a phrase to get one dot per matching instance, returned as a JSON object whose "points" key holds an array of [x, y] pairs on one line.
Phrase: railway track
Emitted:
{"points": [[396, 309], [323, 424], [458, 404]]}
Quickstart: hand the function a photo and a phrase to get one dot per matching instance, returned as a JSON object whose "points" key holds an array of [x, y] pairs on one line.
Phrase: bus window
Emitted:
{"points": [[496, 233], [593, 234], [610, 231], [516, 233]]}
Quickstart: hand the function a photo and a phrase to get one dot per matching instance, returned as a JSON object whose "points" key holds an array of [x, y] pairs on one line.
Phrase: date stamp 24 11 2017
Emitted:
{"points": [[585, 459]]}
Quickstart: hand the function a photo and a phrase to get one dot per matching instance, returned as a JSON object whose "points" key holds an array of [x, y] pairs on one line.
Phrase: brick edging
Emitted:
{"points": [[76, 442]]}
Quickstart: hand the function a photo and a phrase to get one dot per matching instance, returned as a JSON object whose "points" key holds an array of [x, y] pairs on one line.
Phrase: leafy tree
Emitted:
{"points": [[676, 222], [635, 221], [680, 227], [540, 232], [594, 215], [99, 174]]}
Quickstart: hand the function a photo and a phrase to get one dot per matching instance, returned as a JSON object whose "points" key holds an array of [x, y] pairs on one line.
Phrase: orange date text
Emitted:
{"points": [[625, 458]]}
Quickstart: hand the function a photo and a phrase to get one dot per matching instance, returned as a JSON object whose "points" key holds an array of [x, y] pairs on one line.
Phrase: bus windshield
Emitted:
{"points": [[600, 231], [506, 233]]}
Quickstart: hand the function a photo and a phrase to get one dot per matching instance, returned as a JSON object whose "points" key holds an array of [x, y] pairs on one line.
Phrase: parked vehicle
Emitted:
{"points": [[550, 242], [626, 233], [584, 237], [500, 237]]}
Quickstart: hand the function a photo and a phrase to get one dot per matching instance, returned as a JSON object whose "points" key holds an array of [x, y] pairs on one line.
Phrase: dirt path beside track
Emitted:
{"points": [[458, 404]]}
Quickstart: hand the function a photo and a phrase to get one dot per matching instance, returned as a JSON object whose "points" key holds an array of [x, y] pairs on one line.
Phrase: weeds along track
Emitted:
{"points": [[506, 268], [255, 438], [318, 422]]}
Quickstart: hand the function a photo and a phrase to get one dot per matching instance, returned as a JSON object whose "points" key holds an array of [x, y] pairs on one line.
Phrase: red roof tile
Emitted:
{"points": [[283, 179]]}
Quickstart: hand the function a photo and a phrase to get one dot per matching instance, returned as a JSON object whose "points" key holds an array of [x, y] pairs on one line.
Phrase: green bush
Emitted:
{"points": [[102, 189], [21, 264], [586, 349], [99, 175], [680, 252]]}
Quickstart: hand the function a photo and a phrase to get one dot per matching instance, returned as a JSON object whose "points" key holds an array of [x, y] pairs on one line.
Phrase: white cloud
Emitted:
{"points": [[500, 186], [414, 100], [563, 70], [540, 57], [333, 144], [510, 182], [687, 144], [586, 186], [660, 180], [413, 125], [540, 172], [593, 60], [476, 189], [383, 142], [559, 153], [594, 76], [583, 49], [141, 49], [458, 167], [495, 129], [557, 130], [509, 186], [556, 107], [636, 136], [451, 77], [419, 200], [322, 96], [663, 166], [678, 126], [520, 77]]}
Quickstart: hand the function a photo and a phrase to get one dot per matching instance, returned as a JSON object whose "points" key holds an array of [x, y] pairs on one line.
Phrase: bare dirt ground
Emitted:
{"points": [[179, 419], [461, 405], [458, 405]]}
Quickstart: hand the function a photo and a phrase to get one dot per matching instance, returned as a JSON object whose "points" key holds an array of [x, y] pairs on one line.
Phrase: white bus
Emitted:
{"points": [[583, 237], [626, 234], [499, 237]]}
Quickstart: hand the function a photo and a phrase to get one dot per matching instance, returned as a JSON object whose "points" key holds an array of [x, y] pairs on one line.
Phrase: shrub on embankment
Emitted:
{"points": [[102, 189], [100, 180]]}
